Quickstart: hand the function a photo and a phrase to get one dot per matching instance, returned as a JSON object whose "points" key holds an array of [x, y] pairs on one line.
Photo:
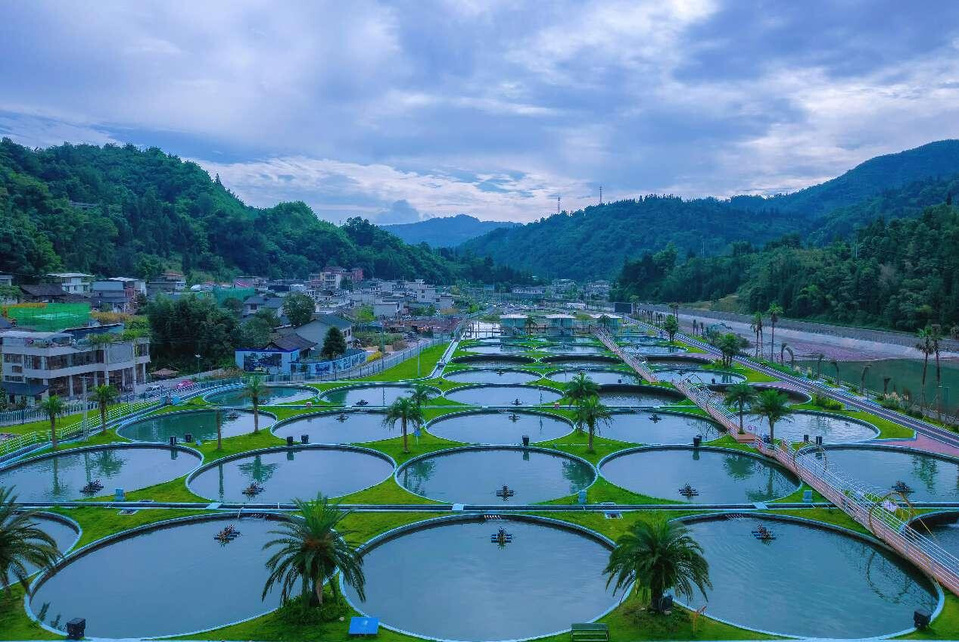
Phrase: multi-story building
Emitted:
{"points": [[72, 282], [39, 364], [514, 325], [559, 325]]}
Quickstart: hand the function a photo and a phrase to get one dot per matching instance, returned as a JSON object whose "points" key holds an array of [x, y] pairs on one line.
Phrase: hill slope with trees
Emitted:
{"points": [[446, 231]]}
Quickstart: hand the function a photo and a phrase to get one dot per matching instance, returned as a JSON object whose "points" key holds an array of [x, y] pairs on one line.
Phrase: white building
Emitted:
{"points": [[72, 282]]}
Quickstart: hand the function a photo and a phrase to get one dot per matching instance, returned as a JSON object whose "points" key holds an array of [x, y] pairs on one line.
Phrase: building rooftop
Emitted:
{"points": [[291, 342]]}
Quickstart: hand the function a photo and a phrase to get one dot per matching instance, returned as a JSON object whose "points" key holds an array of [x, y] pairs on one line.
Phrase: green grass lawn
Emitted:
{"points": [[386, 492], [428, 359], [576, 443]]}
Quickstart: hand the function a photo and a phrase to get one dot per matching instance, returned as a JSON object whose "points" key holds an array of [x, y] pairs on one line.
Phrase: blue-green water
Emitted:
{"points": [[351, 427], [274, 395], [493, 362], [503, 377], [808, 582], [657, 428], [165, 582], [474, 476], [834, 429], [63, 534], [582, 362], [720, 477], [503, 395], [633, 397], [576, 349], [288, 474], [931, 478], [499, 427], [674, 362], [699, 376], [200, 423], [63, 476], [496, 348], [599, 376], [655, 349], [372, 395], [467, 588]]}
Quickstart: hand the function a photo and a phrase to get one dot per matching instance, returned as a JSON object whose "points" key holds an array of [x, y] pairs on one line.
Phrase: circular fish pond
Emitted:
{"points": [[477, 475], [366, 395], [63, 531], [503, 395], [576, 349], [496, 348], [273, 395], [926, 477], [655, 349], [704, 376], [482, 361], [814, 582], [601, 377], [793, 396], [942, 527], [352, 427], [638, 396], [678, 362], [658, 428], [573, 361], [471, 587], [172, 571], [698, 475], [201, 424], [493, 376], [284, 474], [834, 429], [499, 427], [67, 475]]}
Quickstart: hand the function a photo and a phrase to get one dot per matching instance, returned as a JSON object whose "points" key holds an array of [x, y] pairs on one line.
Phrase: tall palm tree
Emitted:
{"points": [[22, 544], [578, 388], [405, 411], [773, 406], [657, 556], [218, 414], [924, 345], [590, 412], [54, 407], [311, 549], [757, 328], [104, 395], [420, 394], [255, 389], [774, 311], [740, 394], [935, 337]]}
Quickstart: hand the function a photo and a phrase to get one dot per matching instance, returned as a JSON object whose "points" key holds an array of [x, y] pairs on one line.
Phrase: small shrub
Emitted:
{"points": [[297, 612], [824, 402]]}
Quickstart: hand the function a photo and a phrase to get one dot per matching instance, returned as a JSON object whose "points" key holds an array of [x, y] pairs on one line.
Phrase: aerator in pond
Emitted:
{"points": [[228, 534], [763, 534], [92, 487], [501, 537], [253, 489], [688, 491], [505, 492]]}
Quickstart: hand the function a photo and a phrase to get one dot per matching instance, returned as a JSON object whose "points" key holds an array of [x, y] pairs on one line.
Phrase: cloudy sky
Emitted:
{"points": [[406, 110]]}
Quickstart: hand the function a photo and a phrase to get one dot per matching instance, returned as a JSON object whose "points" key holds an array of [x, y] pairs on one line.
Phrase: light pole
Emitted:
{"points": [[197, 364]]}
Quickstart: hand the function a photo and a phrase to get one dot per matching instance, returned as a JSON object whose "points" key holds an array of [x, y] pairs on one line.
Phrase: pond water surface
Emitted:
{"points": [[274, 395], [503, 395], [372, 395], [599, 376], [62, 533], [637, 397], [504, 377], [499, 427], [834, 429], [658, 428], [350, 427], [201, 424], [931, 479]]}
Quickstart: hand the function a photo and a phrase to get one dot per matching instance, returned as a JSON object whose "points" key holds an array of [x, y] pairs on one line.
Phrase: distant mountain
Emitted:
{"points": [[594, 243], [448, 231]]}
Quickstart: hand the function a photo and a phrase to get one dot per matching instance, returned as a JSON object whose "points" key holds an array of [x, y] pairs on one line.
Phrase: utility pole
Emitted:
{"points": [[600, 194], [558, 198]]}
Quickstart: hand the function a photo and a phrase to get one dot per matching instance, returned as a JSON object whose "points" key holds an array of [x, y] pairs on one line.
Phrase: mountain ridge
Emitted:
{"points": [[445, 231]]}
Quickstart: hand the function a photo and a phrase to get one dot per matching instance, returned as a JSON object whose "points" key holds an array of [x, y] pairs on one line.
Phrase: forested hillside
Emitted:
{"points": [[901, 274], [121, 210], [593, 243], [447, 231]]}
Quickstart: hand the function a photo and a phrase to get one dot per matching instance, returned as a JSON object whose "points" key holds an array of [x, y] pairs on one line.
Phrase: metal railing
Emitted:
{"points": [[636, 362], [869, 507], [29, 415]]}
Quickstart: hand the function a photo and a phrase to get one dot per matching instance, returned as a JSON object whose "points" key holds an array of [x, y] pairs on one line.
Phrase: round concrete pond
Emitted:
{"points": [[373, 395], [697, 375], [285, 474], [928, 477], [483, 361], [942, 527], [64, 476], [496, 348], [601, 377], [503, 395], [491, 376], [713, 475], [638, 396], [350, 427], [834, 429], [499, 427], [471, 588], [814, 582], [273, 395], [200, 424], [172, 571], [583, 361], [572, 348], [650, 427], [475, 475], [65, 532]]}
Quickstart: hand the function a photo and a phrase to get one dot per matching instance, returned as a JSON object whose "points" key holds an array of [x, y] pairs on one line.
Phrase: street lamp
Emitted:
{"points": [[197, 363]]}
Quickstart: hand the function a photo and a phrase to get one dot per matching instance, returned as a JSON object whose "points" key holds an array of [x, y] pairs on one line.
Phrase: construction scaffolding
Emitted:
{"points": [[47, 317]]}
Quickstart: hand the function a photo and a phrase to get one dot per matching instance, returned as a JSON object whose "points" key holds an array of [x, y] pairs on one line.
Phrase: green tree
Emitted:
{"points": [[254, 333], [729, 345], [656, 556], [935, 338], [104, 396], [578, 388], [590, 412], [299, 309], [773, 406], [405, 411], [773, 313], [740, 395], [310, 549], [22, 543], [671, 326], [254, 389], [53, 406], [924, 345], [757, 328], [334, 344], [421, 394]]}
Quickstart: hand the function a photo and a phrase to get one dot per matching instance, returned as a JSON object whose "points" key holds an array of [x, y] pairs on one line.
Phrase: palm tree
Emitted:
{"points": [[935, 337], [104, 395], [54, 407], [819, 358], [774, 311], [862, 378], [311, 550], [741, 394], [657, 556], [420, 394], [405, 411], [218, 413], [835, 364], [757, 328], [924, 345], [22, 543], [590, 412], [671, 326], [255, 389], [578, 388], [773, 406]]}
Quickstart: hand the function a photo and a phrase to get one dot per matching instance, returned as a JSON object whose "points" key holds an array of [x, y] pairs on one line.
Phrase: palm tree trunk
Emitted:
{"points": [[772, 434], [922, 389], [219, 431], [592, 430], [772, 344], [256, 416], [742, 428], [103, 418], [318, 589], [938, 386], [406, 445]]}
